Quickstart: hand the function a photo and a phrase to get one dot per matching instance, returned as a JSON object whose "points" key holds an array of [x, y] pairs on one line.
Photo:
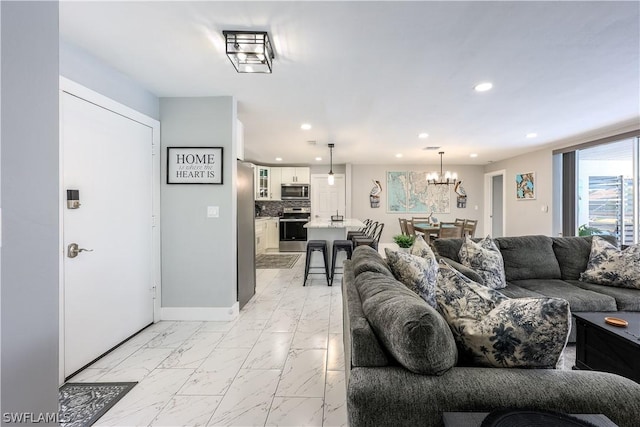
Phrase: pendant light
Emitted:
{"points": [[448, 178], [330, 177]]}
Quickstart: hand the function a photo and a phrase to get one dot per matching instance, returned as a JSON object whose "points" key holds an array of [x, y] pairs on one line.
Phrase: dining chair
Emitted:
{"points": [[469, 228], [460, 222], [449, 230], [403, 226], [410, 230], [423, 219]]}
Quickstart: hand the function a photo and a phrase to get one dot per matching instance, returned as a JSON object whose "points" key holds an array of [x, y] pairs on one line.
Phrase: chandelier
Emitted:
{"points": [[249, 51], [447, 178]]}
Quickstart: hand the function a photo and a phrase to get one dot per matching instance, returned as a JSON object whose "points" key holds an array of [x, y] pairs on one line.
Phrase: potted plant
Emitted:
{"points": [[404, 240]]}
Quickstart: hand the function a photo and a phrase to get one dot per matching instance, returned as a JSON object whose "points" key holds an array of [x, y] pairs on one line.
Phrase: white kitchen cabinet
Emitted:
{"points": [[272, 233], [263, 182], [298, 175], [276, 182], [260, 236]]}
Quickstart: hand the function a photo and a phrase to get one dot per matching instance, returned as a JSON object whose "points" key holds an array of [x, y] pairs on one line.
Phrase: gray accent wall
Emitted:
{"points": [[199, 253], [80, 66], [29, 179]]}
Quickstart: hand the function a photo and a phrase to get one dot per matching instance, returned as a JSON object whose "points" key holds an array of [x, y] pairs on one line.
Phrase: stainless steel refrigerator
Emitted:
{"points": [[246, 233]]}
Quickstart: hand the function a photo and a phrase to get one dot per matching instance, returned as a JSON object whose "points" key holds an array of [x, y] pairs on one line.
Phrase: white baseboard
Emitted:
{"points": [[200, 313]]}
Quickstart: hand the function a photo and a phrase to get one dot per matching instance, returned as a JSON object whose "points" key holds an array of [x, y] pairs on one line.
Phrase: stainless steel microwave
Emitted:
{"points": [[294, 192]]}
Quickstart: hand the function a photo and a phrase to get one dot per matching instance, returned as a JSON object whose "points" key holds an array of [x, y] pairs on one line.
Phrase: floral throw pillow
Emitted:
{"points": [[421, 248], [611, 266], [416, 273], [495, 331], [485, 258]]}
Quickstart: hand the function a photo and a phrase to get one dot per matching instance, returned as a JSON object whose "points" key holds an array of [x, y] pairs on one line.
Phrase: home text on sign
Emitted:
{"points": [[195, 165]]}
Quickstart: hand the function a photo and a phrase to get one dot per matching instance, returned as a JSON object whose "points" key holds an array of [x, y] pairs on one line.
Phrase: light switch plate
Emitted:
{"points": [[213, 211]]}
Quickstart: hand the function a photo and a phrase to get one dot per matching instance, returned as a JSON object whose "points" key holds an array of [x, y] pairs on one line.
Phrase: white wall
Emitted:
{"points": [[29, 199], [80, 66], [361, 184], [525, 217], [199, 253]]}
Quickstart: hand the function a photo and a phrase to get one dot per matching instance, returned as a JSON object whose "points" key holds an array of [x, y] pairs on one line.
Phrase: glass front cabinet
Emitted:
{"points": [[263, 181]]}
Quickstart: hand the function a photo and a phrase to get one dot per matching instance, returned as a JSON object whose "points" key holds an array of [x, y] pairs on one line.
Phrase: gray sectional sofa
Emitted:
{"points": [[537, 266], [401, 363]]}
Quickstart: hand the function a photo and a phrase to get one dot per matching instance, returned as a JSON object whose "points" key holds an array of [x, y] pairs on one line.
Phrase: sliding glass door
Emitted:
{"points": [[607, 190]]}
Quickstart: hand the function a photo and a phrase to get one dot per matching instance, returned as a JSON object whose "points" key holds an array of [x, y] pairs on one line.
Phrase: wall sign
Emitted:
{"points": [[194, 165]]}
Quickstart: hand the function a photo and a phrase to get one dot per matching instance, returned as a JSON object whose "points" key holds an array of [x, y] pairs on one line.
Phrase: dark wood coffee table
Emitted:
{"points": [[602, 347]]}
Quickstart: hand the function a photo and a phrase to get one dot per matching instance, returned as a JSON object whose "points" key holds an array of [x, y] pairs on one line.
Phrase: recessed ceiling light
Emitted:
{"points": [[532, 135], [278, 159], [318, 159], [483, 87], [473, 155], [305, 126], [423, 135], [399, 155]]}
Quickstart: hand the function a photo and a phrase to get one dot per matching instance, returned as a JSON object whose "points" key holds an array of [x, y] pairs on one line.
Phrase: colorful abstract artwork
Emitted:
{"points": [[525, 186]]}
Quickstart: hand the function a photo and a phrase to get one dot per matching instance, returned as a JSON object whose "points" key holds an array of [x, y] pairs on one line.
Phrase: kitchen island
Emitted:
{"points": [[324, 229]]}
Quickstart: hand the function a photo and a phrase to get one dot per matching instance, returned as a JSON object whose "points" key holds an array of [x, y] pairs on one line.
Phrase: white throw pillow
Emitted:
{"points": [[485, 258], [495, 331], [416, 273], [611, 266]]}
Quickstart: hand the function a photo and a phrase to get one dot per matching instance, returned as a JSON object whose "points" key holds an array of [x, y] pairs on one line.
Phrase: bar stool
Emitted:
{"points": [[313, 246], [340, 245]]}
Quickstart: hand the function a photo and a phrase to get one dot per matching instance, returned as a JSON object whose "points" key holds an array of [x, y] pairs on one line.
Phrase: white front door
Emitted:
{"points": [[327, 199], [108, 289]]}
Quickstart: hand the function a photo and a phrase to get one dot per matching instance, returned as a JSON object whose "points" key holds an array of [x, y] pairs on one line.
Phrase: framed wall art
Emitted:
{"points": [[526, 186], [194, 165]]}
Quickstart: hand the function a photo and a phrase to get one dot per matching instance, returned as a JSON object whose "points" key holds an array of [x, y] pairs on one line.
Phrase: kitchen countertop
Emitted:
{"points": [[325, 223]]}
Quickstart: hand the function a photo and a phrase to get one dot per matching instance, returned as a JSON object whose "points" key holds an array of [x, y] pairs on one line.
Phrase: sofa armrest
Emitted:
{"points": [[469, 272], [361, 345]]}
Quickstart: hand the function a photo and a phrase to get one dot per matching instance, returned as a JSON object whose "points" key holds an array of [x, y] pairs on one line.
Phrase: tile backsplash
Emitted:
{"points": [[273, 207]]}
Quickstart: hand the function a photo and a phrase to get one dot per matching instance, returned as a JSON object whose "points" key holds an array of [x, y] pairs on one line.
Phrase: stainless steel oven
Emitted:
{"points": [[294, 192], [293, 235]]}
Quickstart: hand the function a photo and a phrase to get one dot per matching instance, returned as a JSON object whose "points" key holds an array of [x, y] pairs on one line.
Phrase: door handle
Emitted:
{"points": [[73, 250]]}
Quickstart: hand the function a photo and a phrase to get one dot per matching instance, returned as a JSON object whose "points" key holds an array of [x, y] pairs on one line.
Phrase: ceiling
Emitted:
{"points": [[371, 76]]}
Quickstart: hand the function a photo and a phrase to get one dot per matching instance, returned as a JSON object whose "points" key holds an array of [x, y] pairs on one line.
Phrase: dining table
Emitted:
{"points": [[430, 229]]}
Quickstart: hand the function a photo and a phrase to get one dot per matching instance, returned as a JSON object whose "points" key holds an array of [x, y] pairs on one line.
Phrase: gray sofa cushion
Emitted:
{"points": [[514, 291], [411, 330], [365, 258], [448, 248], [579, 299], [572, 254], [362, 347], [528, 257], [626, 299]]}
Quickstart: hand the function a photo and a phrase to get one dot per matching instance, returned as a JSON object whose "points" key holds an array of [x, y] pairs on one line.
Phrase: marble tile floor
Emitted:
{"points": [[281, 363]]}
